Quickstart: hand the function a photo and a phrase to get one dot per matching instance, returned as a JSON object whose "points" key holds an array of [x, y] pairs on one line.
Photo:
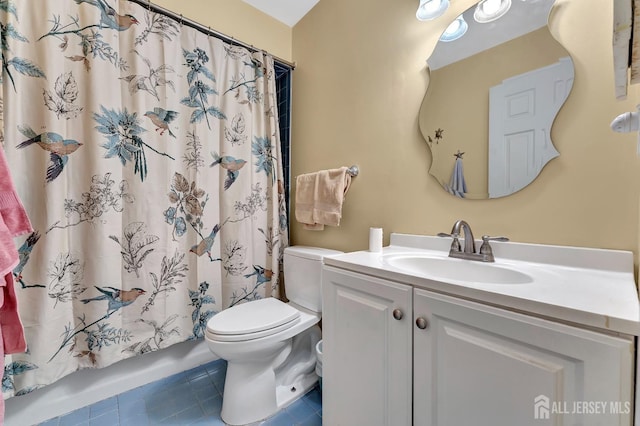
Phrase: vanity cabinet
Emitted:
{"points": [[366, 356], [398, 355]]}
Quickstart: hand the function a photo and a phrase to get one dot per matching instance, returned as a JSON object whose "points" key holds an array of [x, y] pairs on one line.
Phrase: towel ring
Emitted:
{"points": [[353, 170]]}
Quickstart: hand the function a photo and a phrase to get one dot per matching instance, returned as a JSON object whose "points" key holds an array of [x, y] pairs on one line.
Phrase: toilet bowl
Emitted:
{"points": [[269, 345]]}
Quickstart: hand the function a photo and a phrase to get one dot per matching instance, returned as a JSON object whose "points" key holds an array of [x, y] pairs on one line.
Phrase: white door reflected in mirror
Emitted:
{"points": [[521, 113]]}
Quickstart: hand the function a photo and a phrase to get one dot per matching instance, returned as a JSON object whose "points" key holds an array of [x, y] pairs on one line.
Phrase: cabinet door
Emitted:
{"points": [[366, 360], [479, 365]]}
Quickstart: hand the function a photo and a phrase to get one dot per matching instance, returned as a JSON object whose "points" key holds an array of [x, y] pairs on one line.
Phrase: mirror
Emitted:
{"points": [[492, 98]]}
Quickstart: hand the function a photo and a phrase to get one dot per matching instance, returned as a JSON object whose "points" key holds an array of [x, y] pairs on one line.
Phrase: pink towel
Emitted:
{"points": [[1, 369], [319, 197], [13, 222], [13, 340], [13, 219]]}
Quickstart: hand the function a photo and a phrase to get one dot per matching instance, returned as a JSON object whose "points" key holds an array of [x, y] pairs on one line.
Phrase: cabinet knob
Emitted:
{"points": [[421, 323], [397, 314]]}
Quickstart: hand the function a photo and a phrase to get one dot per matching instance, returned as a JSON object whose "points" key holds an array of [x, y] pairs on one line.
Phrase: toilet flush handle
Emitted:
{"points": [[397, 314]]}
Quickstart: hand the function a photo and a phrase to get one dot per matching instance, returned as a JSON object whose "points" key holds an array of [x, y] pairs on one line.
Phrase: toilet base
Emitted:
{"points": [[237, 414], [256, 390], [285, 395], [248, 393]]}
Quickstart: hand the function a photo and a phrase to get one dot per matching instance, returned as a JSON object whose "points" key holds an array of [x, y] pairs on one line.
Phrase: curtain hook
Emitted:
{"points": [[149, 5], [181, 19]]}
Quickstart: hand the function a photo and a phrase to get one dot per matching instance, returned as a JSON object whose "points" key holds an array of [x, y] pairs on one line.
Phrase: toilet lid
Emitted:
{"points": [[253, 317]]}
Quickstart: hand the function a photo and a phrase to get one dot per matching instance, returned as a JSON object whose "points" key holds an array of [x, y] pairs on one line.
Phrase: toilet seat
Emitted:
{"points": [[252, 320]]}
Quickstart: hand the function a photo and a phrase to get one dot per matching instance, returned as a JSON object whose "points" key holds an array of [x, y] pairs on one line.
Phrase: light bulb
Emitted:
{"points": [[452, 28], [431, 9], [455, 30], [490, 10]]}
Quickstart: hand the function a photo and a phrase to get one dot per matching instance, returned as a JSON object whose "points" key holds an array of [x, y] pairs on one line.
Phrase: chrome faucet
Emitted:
{"points": [[485, 254], [469, 242]]}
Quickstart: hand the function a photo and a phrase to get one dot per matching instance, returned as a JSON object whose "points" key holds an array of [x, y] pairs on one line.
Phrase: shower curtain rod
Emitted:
{"points": [[207, 30]]}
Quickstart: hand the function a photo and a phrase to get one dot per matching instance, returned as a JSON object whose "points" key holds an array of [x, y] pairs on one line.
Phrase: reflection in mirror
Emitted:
{"points": [[492, 98]]}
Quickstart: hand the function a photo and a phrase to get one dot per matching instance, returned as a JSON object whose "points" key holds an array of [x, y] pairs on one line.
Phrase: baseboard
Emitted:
{"points": [[89, 386]]}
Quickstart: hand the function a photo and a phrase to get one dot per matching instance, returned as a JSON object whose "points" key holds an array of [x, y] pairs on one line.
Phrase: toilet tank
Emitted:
{"points": [[303, 275]]}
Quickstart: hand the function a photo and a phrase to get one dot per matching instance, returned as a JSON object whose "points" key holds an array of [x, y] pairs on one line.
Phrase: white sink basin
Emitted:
{"points": [[458, 270]]}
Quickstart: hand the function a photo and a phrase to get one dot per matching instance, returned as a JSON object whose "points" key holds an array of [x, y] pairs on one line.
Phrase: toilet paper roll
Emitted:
{"points": [[375, 240]]}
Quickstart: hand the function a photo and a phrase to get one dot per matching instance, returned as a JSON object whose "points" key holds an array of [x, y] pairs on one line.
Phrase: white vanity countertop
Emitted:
{"points": [[589, 287]]}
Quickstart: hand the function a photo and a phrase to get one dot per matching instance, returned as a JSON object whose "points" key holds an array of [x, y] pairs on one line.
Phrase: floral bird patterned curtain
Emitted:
{"points": [[147, 155]]}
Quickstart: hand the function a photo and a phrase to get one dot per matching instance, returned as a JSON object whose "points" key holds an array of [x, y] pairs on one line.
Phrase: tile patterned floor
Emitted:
{"points": [[193, 397]]}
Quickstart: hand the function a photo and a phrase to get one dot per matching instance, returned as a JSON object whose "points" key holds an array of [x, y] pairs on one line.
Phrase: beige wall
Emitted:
{"points": [[239, 20], [358, 86]]}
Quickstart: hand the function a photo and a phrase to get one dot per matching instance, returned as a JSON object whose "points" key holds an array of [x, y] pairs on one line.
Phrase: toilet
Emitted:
{"points": [[270, 345]]}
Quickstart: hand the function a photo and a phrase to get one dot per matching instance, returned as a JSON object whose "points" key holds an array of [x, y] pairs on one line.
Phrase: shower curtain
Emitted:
{"points": [[147, 155]]}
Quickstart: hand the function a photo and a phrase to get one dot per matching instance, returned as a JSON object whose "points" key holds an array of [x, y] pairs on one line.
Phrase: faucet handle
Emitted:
{"points": [[486, 239], [485, 248], [455, 244]]}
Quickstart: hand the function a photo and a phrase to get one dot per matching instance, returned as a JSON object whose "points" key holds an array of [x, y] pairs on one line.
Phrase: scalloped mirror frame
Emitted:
{"points": [[454, 116]]}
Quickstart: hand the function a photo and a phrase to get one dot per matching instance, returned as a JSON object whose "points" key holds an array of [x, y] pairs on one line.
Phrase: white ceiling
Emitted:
{"points": [[288, 12]]}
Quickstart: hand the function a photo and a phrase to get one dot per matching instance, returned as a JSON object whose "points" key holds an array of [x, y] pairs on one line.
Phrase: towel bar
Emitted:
{"points": [[353, 170]]}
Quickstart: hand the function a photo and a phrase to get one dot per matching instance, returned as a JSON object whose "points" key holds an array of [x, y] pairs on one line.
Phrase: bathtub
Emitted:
{"points": [[88, 386]]}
